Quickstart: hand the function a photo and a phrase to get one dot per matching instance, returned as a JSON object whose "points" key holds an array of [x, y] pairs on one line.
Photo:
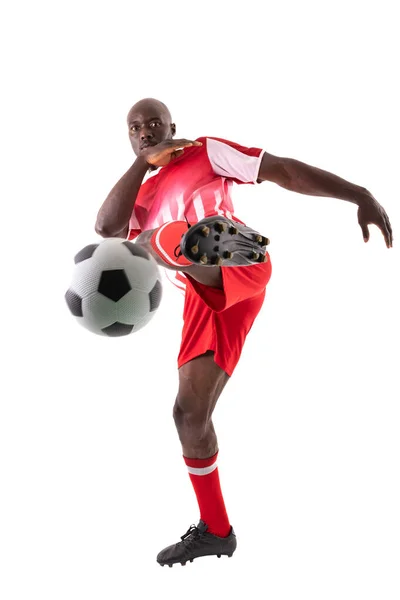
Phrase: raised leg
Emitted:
{"points": [[211, 277]]}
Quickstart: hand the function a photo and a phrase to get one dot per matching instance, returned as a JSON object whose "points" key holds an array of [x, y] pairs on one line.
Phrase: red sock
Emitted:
{"points": [[203, 473], [165, 241]]}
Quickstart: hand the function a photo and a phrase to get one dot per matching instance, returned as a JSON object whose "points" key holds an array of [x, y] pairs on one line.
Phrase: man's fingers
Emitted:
{"points": [[187, 144], [365, 232], [389, 228], [386, 235], [184, 143], [386, 230], [375, 215], [177, 153]]}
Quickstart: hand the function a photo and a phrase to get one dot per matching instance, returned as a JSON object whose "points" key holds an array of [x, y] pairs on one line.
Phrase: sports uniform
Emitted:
{"points": [[194, 186]]}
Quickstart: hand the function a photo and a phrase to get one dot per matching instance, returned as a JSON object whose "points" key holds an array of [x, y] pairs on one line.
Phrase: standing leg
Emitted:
{"points": [[201, 382]]}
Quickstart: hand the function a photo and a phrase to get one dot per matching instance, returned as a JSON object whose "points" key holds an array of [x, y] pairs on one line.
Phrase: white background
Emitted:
{"points": [[92, 479]]}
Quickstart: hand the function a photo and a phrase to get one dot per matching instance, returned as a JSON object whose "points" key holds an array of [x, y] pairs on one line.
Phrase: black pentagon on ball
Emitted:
{"points": [[85, 253], [155, 296], [114, 284], [74, 303], [136, 250], [117, 329]]}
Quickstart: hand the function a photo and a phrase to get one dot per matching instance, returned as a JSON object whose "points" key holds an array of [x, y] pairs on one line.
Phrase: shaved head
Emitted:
{"points": [[149, 122], [151, 103]]}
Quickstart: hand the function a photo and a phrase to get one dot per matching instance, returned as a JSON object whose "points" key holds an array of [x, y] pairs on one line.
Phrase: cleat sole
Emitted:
{"points": [[263, 241], [219, 241], [220, 227], [183, 563]]}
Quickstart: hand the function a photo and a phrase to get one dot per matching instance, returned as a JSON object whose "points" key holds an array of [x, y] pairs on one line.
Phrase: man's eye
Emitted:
{"points": [[134, 127], [154, 124]]}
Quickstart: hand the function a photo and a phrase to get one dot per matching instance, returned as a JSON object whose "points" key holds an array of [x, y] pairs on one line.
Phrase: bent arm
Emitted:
{"points": [[299, 177], [116, 210]]}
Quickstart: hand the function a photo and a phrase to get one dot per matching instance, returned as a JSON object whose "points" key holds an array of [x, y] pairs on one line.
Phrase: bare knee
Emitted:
{"points": [[189, 420], [195, 429]]}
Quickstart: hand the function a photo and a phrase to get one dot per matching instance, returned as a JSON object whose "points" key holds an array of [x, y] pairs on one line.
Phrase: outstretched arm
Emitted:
{"points": [[299, 177]]}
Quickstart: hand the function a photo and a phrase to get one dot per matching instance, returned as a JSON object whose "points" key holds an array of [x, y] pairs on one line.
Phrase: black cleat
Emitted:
{"points": [[223, 242], [195, 543]]}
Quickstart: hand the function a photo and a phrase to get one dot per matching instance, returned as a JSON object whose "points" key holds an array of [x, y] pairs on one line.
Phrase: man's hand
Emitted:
{"points": [[161, 154], [371, 212]]}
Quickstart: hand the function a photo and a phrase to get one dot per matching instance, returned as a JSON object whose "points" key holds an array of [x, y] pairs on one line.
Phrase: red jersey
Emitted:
{"points": [[197, 184]]}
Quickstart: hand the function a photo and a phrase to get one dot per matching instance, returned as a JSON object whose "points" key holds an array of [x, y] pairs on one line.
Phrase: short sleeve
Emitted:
{"points": [[234, 161]]}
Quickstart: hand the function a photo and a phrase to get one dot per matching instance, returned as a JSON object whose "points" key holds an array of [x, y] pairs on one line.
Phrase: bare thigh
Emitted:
{"points": [[201, 382]]}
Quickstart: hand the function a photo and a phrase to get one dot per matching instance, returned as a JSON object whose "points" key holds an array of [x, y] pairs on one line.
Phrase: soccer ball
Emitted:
{"points": [[116, 287]]}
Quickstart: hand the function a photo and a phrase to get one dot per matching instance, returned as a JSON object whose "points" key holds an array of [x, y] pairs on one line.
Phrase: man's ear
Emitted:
{"points": [[173, 129]]}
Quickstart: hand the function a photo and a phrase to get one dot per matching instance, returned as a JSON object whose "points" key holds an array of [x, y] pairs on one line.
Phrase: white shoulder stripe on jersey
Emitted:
{"points": [[229, 162]]}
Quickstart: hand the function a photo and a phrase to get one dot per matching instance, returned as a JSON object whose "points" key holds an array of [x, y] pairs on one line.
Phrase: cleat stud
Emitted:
{"points": [[205, 231], [263, 241], [183, 563], [170, 566], [216, 238], [263, 258], [194, 249], [233, 230], [191, 560], [219, 262], [229, 555], [218, 556], [216, 248], [204, 259], [220, 227], [228, 254], [255, 255]]}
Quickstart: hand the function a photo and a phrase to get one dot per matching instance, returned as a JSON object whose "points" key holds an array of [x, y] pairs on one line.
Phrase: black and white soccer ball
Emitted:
{"points": [[115, 289]]}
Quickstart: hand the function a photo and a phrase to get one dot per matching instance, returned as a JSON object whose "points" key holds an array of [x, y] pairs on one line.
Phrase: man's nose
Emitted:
{"points": [[146, 134]]}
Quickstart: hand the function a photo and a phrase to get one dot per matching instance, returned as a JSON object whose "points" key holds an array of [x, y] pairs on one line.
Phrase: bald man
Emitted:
{"points": [[175, 201]]}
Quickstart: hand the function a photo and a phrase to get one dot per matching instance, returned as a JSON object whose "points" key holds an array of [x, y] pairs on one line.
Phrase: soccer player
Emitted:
{"points": [[175, 200]]}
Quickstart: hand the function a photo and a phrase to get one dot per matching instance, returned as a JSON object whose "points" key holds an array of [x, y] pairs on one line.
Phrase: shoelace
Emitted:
{"points": [[192, 531], [179, 246]]}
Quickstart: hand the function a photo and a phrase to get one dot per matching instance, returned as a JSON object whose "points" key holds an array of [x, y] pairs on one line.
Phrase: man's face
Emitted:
{"points": [[149, 124]]}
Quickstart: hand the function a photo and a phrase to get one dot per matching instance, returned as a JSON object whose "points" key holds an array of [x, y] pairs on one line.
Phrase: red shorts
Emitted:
{"points": [[219, 320]]}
